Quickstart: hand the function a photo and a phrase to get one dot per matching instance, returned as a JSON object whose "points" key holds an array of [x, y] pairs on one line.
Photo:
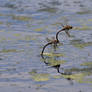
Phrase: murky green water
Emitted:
{"points": [[24, 27]]}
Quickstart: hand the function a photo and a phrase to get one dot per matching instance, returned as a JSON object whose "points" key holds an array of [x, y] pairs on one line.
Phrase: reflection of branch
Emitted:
{"points": [[57, 67], [54, 66], [0, 58]]}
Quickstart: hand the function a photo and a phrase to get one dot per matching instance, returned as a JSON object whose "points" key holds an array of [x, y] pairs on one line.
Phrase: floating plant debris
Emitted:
{"points": [[87, 64], [9, 50], [80, 44], [40, 77], [21, 18], [54, 54]]}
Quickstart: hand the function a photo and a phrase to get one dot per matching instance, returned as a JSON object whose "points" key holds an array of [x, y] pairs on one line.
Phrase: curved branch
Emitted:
{"points": [[45, 47], [57, 34]]}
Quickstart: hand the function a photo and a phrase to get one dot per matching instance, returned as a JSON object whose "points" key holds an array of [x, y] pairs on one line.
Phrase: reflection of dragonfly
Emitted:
{"points": [[55, 41]]}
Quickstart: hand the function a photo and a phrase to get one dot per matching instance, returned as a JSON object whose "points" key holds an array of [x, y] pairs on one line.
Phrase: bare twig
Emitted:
{"points": [[56, 41]]}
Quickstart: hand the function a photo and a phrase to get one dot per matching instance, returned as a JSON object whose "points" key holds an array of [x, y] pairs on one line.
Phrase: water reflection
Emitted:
{"points": [[79, 74], [57, 66], [1, 59], [54, 63]]}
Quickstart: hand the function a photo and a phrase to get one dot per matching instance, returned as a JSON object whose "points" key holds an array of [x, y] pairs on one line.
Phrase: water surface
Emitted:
{"points": [[24, 27]]}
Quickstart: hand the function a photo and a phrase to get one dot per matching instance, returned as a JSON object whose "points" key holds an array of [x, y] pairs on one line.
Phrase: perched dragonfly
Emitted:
{"points": [[65, 28]]}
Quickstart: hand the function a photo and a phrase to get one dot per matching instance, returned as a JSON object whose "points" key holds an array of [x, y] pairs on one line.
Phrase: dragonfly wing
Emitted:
{"points": [[67, 32], [62, 24], [48, 40]]}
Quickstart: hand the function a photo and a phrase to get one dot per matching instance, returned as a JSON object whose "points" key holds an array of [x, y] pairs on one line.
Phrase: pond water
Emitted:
{"points": [[24, 27]]}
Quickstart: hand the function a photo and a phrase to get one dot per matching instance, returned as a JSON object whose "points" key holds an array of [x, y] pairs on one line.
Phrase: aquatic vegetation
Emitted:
{"points": [[1, 14], [57, 76], [84, 12], [82, 45], [1, 22], [39, 76], [81, 75], [89, 64], [17, 34], [42, 76], [9, 50], [53, 62], [57, 23], [90, 20], [39, 29], [21, 18], [48, 9], [78, 77], [54, 54], [76, 70], [83, 28], [76, 41]]}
